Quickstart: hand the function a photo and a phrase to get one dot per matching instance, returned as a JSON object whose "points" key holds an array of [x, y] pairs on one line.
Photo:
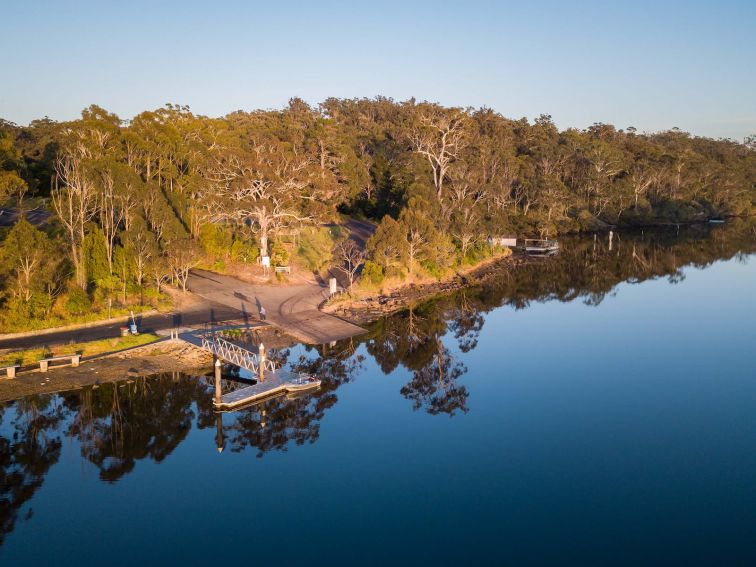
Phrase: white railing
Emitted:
{"points": [[233, 353]]}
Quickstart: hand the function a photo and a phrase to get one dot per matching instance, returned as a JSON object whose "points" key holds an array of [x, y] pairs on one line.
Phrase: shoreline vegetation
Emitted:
{"points": [[102, 216], [585, 267], [367, 303]]}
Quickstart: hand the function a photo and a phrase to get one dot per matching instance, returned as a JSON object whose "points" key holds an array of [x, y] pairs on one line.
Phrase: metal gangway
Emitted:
{"points": [[235, 354], [270, 381]]}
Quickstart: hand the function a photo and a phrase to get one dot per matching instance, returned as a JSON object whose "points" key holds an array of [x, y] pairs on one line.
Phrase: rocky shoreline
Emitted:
{"points": [[366, 310]]}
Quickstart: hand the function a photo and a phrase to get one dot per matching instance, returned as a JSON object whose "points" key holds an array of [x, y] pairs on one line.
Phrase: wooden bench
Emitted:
{"points": [[10, 371], [45, 362], [283, 269]]}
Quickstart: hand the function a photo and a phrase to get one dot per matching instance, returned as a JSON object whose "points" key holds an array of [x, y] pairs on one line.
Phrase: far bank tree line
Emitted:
{"points": [[136, 204]]}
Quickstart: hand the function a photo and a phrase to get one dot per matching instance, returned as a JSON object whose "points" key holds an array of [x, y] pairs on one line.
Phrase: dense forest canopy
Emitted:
{"points": [[133, 204]]}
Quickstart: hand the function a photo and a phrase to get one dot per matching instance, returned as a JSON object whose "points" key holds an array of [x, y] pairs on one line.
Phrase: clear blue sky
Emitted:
{"points": [[652, 65]]}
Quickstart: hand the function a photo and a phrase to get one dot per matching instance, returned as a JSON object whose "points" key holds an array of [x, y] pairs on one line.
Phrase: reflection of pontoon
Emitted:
{"points": [[535, 246]]}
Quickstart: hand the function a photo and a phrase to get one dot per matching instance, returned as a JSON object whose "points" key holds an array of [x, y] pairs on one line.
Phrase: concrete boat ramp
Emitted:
{"points": [[291, 308]]}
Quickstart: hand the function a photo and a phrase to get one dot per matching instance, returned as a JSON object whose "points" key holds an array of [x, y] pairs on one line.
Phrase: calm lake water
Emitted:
{"points": [[597, 407]]}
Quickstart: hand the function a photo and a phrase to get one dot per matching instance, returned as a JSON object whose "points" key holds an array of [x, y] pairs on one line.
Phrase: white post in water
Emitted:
{"points": [[611, 236], [261, 361]]}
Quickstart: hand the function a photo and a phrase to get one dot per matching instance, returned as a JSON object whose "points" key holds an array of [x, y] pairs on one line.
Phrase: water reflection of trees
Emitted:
{"points": [[118, 425], [413, 339], [434, 386], [275, 423], [587, 269], [590, 268], [30, 443]]}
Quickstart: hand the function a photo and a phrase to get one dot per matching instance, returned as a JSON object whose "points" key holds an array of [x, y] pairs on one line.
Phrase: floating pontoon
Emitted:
{"points": [[535, 246], [275, 384]]}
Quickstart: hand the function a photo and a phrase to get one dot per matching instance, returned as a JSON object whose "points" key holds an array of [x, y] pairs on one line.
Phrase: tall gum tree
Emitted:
{"points": [[264, 189], [75, 192], [439, 135]]}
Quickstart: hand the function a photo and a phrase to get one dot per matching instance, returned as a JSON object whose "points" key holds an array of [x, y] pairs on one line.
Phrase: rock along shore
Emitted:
{"points": [[365, 310]]}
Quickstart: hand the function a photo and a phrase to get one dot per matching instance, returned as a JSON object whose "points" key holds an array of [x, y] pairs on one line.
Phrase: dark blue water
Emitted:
{"points": [[599, 407]]}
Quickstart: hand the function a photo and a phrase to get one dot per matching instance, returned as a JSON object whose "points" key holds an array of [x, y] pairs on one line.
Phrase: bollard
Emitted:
{"points": [[261, 361], [217, 380]]}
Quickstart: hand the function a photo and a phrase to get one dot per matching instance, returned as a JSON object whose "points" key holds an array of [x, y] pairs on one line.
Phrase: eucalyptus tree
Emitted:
{"points": [[25, 254], [11, 165], [140, 246], [421, 235], [75, 185], [267, 189], [389, 245], [439, 134]]}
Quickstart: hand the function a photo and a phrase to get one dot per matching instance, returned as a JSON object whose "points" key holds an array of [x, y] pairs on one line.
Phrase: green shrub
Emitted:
{"points": [[244, 251], [151, 293], [315, 247], [372, 273], [477, 253], [279, 255], [433, 269], [216, 240], [77, 302], [395, 272]]}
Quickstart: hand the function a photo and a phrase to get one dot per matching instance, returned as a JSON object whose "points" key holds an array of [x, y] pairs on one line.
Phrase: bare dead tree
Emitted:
{"points": [[349, 258], [641, 180], [111, 212], [74, 197]]}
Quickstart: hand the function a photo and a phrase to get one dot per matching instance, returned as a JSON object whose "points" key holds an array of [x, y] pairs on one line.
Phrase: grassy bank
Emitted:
{"points": [[96, 314], [388, 285], [31, 356]]}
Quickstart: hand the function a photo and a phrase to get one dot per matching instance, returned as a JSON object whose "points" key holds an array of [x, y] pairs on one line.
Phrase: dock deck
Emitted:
{"points": [[276, 383], [535, 246]]}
